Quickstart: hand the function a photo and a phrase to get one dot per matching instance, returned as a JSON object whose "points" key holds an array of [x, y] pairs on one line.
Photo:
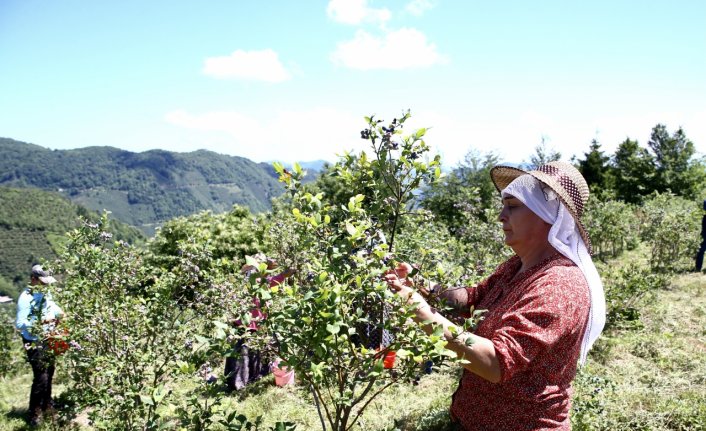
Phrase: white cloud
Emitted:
{"points": [[318, 133], [233, 123], [401, 49], [323, 133], [419, 7], [251, 65], [355, 12]]}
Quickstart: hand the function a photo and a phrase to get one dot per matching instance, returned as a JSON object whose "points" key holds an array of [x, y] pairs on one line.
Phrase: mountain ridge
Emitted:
{"points": [[142, 189], [33, 226]]}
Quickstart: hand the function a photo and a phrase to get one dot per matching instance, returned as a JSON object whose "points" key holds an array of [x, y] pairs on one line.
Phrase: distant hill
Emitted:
{"points": [[141, 189], [33, 224]]}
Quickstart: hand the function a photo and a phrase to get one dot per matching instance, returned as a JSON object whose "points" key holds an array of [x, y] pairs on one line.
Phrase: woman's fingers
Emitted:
{"points": [[403, 269], [393, 281]]}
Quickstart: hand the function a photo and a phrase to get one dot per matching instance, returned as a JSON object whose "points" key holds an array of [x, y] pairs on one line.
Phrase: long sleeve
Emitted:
{"points": [[23, 321], [551, 312], [52, 310]]}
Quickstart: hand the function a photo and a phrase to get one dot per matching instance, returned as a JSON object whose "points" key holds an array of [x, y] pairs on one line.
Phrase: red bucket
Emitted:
{"points": [[389, 360]]}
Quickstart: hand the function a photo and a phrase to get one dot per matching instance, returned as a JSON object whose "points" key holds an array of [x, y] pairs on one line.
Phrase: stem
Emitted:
{"points": [[360, 411], [316, 391], [346, 415], [318, 408], [395, 218]]}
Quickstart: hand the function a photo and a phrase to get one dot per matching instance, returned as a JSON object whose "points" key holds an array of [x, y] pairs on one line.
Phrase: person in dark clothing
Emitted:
{"points": [[37, 316], [702, 249], [245, 365]]}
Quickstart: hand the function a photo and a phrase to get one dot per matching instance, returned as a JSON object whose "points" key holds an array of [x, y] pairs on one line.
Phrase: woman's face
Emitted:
{"points": [[523, 228]]}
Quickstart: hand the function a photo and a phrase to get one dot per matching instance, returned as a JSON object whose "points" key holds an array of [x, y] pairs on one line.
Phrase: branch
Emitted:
{"points": [[360, 411]]}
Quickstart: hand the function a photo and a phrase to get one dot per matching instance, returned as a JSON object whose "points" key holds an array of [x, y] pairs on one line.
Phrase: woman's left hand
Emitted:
{"points": [[397, 278], [397, 281]]}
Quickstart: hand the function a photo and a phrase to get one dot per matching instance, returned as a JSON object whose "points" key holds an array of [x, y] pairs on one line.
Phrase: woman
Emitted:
{"points": [[545, 307]]}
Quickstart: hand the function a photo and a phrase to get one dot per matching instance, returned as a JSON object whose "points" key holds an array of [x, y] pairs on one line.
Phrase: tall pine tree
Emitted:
{"points": [[595, 168], [633, 172], [675, 170]]}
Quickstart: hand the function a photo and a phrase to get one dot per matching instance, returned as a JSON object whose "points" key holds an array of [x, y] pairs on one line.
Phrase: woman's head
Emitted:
{"points": [[546, 190], [524, 229]]}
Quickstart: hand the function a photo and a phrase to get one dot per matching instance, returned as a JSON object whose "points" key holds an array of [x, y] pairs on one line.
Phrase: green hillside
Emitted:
{"points": [[32, 227], [141, 189]]}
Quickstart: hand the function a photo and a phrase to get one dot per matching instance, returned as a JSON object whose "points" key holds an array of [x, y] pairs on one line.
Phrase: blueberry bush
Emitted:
{"points": [[335, 321]]}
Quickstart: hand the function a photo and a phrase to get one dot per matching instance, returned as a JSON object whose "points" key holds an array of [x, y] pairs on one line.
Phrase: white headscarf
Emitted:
{"points": [[564, 236]]}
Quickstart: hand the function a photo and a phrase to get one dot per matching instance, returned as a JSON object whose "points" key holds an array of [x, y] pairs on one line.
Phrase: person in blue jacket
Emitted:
{"points": [[34, 305]]}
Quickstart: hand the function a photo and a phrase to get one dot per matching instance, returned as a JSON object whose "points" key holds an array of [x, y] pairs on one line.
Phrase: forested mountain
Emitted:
{"points": [[33, 224], [141, 189]]}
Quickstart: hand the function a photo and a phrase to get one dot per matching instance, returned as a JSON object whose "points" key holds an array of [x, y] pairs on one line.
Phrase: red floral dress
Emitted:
{"points": [[536, 323]]}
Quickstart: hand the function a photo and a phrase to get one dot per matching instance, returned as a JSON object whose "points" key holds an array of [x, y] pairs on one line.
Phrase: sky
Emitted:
{"points": [[293, 80]]}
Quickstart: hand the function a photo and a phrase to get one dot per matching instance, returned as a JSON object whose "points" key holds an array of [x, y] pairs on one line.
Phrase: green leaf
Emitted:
{"points": [[352, 231], [159, 394], [333, 329], [147, 400], [317, 369], [249, 260], [402, 353], [220, 324], [421, 132], [265, 294], [323, 275]]}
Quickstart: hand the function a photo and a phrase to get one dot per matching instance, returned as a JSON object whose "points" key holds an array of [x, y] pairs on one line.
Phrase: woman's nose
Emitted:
{"points": [[503, 215]]}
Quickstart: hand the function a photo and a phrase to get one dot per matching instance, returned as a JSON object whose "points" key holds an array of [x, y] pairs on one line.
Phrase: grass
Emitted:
{"points": [[654, 378], [400, 407], [650, 378]]}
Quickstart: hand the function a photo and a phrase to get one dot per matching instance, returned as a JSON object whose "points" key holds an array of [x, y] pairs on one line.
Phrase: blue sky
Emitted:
{"points": [[292, 80]]}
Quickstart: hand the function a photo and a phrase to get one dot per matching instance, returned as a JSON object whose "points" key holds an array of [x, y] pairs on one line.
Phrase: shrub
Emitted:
{"points": [[671, 227], [612, 226], [626, 289], [590, 401], [132, 334], [335, 321], [11, 352]]}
